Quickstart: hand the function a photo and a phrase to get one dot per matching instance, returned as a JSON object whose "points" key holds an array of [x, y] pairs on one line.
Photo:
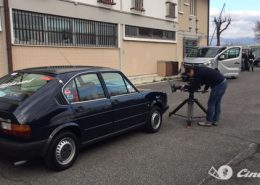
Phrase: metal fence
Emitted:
{"points": [[41, 29]]}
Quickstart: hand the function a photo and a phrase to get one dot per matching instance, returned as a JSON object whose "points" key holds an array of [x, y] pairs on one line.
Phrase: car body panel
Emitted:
{"points": [[227, 61], [48, 112]]}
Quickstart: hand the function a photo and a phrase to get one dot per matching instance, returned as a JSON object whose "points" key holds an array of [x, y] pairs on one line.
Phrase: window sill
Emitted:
{"points": [[59, 46], [170, 17], [137, 9], [149, 40], [107, 3]]}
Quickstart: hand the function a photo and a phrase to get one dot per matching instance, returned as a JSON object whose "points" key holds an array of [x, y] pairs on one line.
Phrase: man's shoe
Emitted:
{"points": [[214, 124], [205, 124]]}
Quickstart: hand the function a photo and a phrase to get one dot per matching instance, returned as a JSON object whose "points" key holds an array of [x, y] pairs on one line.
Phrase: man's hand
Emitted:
{"points": [[204, 91], [182, 87]]}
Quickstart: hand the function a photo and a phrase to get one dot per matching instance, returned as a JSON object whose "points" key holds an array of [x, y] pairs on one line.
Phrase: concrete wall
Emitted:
{"points": [[135, 57], [83, 11], [116, 6], [203, 21], [142, 58], [153, 8], [26, 56], [192, 27]]}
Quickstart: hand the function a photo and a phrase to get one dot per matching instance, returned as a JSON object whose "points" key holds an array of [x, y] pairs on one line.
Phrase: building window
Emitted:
{"points": [[41, 29], [59, 30], [171, 9], [188, 45], [193, 7], [28, 27], [149, 33], [138, 5], [108, 2]]}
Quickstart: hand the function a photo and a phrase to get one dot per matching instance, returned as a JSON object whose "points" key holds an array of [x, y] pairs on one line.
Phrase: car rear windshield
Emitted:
{"points": [[20, 86], [205, 52]]}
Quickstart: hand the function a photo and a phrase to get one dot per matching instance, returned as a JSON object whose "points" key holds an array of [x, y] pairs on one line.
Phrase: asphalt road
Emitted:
{"points": [[175, 155]]}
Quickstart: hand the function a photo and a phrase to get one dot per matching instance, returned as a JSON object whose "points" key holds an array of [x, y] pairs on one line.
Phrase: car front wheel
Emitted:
{"points": [[62, 152], [154, 121]]}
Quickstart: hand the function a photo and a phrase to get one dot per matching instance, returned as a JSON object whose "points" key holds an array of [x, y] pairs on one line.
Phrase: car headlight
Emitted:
{"points": [[209, 63]]}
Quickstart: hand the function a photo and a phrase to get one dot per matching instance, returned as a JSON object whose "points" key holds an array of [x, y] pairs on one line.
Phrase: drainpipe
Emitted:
{"points": [[121, 40], [208, 21], [8, 36]]}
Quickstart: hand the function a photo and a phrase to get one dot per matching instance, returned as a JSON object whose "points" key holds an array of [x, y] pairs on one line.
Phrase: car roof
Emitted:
{"points": [[212, 47], [56, 70]]}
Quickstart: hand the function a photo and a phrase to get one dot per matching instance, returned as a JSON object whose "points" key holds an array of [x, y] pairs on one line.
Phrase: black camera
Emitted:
{"points": [[175, 87]]}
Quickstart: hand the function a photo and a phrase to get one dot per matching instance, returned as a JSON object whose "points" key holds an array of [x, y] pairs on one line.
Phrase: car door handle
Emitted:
{"points": [[114, 102], [237, 63], [79, 109]]}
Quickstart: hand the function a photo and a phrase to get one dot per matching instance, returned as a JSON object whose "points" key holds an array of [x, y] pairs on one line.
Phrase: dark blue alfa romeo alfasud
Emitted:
{"points": [[51, 112]]}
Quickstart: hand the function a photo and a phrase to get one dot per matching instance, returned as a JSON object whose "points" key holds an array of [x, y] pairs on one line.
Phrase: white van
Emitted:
{"points": [[224, 58]]}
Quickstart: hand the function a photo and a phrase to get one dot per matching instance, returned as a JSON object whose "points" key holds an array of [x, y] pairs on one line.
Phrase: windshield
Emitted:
{"points": [[205, 52], [20, 86]]}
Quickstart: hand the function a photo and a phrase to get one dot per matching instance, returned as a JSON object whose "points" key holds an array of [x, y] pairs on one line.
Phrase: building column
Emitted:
{"points": [[4, 44]]}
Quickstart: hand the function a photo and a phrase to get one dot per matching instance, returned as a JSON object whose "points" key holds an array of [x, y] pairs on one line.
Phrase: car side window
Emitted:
{"points": [[115, 84], [70, 92], [89, 87], [130, 88], [232, 53]]}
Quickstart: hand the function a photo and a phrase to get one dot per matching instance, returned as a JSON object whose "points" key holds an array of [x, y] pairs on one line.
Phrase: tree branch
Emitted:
{"points": [[229, 22]]}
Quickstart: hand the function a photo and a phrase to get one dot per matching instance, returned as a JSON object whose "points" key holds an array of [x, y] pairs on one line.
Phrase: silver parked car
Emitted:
{"points": [[223, 58]]}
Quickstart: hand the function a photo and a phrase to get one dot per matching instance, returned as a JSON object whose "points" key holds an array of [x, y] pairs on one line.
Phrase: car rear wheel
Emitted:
{"points": [[154, 121], [62, 152]]}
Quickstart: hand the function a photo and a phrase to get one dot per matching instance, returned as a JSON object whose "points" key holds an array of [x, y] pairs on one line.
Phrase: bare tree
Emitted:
{"points": [[257, 31], [219, 22]]}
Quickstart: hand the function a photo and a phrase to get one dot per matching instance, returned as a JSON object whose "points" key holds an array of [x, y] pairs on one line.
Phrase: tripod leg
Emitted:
{"points": [[189, 113], [201, 106], [178, 108]]}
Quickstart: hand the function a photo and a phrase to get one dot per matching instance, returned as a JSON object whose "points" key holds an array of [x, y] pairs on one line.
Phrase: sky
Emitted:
{"points": [[244, 14]]}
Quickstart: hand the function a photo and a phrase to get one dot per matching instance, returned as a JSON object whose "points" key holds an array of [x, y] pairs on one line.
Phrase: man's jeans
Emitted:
{"points": [[214, 102]]}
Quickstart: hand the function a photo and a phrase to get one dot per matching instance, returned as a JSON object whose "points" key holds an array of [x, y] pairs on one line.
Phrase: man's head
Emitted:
{"points": [[189, 72]]}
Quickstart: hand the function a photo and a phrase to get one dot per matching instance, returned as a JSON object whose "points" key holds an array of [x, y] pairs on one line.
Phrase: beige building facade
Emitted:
{"points": [[128, 35]]}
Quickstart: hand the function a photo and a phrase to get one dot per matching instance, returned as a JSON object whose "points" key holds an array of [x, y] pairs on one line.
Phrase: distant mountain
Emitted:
{"points": [[244, 41]]}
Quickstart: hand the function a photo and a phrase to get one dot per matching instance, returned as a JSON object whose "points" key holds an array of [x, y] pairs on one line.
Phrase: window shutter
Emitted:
{"points": [[171, 10]]}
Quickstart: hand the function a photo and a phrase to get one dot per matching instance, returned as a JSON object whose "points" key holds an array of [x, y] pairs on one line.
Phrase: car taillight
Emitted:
{"points": [[21, 130]]}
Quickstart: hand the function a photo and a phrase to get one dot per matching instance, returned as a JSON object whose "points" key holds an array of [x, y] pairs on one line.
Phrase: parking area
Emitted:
{"points": [[175, 155]]}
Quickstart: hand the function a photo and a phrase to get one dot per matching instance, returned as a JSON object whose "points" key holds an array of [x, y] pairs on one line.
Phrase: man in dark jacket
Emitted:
{"points": [[251, 59], [218, 84]]}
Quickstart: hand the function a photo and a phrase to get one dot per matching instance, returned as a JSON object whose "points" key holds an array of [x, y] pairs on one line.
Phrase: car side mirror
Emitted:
{"points": [[221, 57]]}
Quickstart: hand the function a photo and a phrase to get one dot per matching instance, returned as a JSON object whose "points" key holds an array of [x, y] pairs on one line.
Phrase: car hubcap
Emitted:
{"points": [[65, 151], [156, 120]]}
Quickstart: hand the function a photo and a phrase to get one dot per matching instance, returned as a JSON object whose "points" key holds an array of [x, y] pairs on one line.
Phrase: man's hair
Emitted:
{"points": [[188, 69]]}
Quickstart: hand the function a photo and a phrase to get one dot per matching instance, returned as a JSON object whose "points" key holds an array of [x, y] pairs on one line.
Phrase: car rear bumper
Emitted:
{"points": [[22, 150]]}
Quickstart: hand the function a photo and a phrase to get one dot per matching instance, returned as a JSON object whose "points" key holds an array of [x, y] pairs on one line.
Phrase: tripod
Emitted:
{"points": [[190, 101]]}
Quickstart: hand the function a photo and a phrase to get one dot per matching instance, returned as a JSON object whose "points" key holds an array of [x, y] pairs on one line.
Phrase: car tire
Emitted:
{"points": [[154, 122], [63, 151]]}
